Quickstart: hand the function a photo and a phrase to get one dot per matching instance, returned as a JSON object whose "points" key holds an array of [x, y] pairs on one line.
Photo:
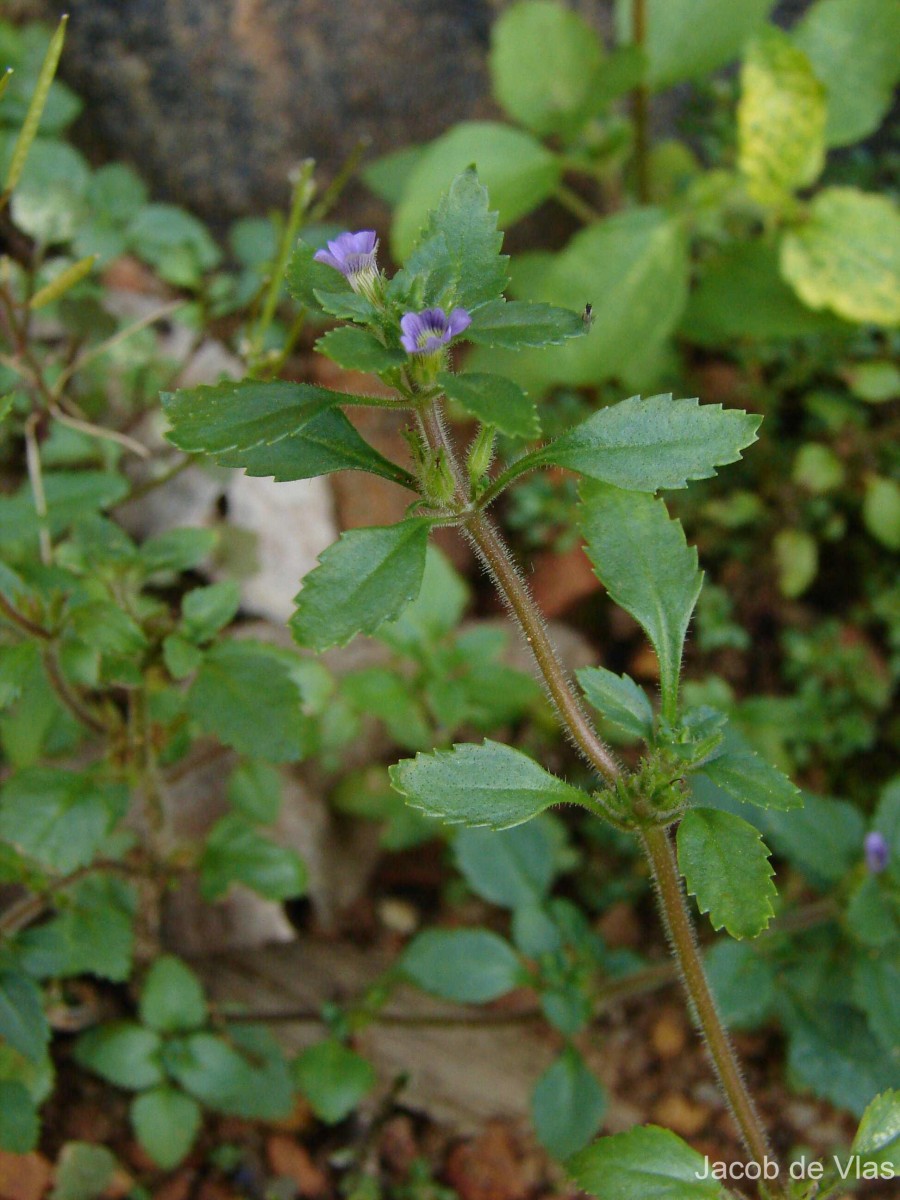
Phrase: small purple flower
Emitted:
{"points": [[878, 852], [429, 330], [350, 253]]}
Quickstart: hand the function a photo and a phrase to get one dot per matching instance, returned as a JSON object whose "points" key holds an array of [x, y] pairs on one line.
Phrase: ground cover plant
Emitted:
{"points": [[116, 658]]}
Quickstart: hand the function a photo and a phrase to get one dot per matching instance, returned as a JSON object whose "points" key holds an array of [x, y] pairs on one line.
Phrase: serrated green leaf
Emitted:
{"points": [[286, 430], [123, 1053], [852, 45], [688, 39], [16, 663], [22, 1020], [781, 119], [879, 1128], [471, 966], [457, 254], [544, 62], [436, 610], [619, 699], [60, 818], [726, 866], [365, 578], [172, 999], [495, 401], [333, 1078], [519, 174], [490, 784], [347, 306], [514, 868], [567, 1105], [224, 700], [740, 772], [641, 556], [166, 1122], [513, 324], [305, 278], [359, 350], [182, 658], [845, 256], [19, 1121], [235, 852], [644, 445], [646, 1163]]}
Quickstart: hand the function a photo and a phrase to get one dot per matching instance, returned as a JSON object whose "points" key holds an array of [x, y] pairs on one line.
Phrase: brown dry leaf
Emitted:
{"points": [[488, 1168], [289, 1160], [23, 1176]]}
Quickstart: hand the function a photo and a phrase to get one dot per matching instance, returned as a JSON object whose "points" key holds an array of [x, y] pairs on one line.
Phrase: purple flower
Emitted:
{"points": [[431, 329], [350, 253], [877, 852]]}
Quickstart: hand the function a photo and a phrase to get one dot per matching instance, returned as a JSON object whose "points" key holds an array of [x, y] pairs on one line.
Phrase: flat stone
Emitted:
{"points": [[218, 102]]}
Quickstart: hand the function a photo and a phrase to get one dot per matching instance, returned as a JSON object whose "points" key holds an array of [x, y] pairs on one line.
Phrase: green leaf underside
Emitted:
{"points": [[359, 350], [365, 578], [846, 256], [644, 445], [457, 253], [619, 699], [491, 784], [642, 558], [567, 1105], [781, 118], [286, 430], [494, 400], [470, 966], [516, 323], [726, 866], [646, 1163]]}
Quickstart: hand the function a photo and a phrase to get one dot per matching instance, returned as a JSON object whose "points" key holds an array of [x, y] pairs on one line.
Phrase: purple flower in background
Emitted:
{"points": [[878, 852], [431, 329], [353, 254]]}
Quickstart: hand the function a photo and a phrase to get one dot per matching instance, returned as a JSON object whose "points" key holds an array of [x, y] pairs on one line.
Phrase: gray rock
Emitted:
{"points": [[216, 102]]}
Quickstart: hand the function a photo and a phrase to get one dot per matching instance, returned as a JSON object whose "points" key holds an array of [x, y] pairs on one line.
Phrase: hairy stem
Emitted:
{"points": [[680, 931], [676, 917]]}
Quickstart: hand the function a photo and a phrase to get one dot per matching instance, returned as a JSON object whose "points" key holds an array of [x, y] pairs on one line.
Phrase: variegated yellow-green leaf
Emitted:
{"points": [[846, 256], [781, 119]]}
